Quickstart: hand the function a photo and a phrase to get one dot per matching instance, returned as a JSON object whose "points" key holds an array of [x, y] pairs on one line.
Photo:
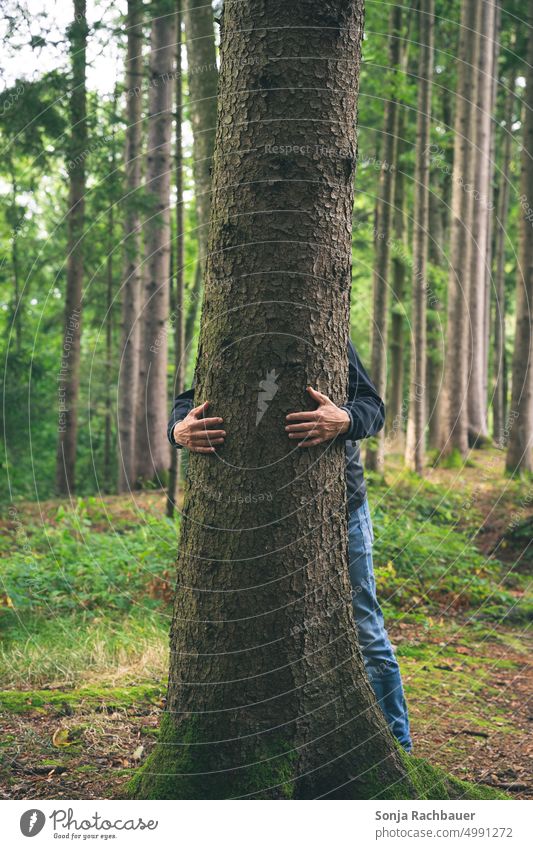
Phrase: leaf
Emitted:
{"points": [[61, 738]]}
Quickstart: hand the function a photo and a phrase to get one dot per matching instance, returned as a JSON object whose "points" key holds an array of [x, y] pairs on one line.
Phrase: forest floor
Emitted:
{"points": [[84, 616]]}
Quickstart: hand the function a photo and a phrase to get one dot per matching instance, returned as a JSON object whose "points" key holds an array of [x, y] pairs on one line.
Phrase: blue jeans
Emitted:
{"points": [[378, 655]]}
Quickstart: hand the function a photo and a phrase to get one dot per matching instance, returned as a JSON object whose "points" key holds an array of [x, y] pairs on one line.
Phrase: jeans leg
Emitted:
{"points": [[380, 662]]}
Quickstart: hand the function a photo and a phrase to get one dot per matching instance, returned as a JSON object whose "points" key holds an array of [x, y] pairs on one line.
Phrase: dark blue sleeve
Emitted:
{"points": [[183, 404], [364, 406]]}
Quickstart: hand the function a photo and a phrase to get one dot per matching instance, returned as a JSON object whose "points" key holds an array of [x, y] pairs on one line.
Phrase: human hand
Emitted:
{"points": [[198, 434], [313, 427]]}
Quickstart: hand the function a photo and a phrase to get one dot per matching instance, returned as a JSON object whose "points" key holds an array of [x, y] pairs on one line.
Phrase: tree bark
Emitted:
{"points": [[416, 426], [152, 450], [500, 364], [519, 454], [202, 76], [69, 379], [454, 433], [476, 394], [435, 336], [178, 310], [375, 456], [268, 696], [131, 286]]}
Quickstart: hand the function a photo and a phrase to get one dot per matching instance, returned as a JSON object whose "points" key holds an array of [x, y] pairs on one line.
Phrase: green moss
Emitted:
{"points": [[21, 701], [181, 768]]}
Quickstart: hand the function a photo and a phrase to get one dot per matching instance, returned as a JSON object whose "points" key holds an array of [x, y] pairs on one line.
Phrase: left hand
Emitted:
{"points": [[313, 427]]}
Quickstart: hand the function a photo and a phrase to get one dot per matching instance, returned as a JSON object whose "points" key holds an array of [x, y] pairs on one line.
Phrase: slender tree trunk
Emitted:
{"points": [[435, 337], [69, 379], [152, 449], [268, 697], [519, 454], [178, 311], [108, 432], [416, 425], [375, 456], [454, 433], [500, 364], [131, 287], [195, 295], [396, 406], [202, 76], [476, 395]]}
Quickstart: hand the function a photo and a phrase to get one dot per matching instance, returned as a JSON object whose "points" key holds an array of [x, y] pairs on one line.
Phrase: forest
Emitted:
{"points": [[221, 195]]}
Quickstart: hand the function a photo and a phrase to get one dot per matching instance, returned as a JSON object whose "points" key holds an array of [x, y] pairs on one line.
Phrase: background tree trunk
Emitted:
{"points": [[500, 365], [131, 287], [375, 456], [153, 455], [69, 379], [202, 76], [519, 457], [454, 434], [476, 394], [435, 340], [268, 695], [416, 426], [178, 306]]}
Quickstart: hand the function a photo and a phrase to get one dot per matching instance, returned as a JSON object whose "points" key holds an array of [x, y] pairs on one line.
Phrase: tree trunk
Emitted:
{"points": [[396, 406], [202, 76], [267, 696], [519, 452], [435, 337], [131, 287], [179, 323], [454, 433], [152, 449], [500, 365], [416, 425], [69, 378], [375, 456], [477, 399]]}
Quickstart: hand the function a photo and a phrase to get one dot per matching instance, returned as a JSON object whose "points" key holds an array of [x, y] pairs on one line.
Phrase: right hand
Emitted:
{"points": [[198, 434]]}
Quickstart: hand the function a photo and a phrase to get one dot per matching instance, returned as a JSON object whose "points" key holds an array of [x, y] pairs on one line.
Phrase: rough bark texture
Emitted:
{"points": [[519, 454], [178, 305], [476, 389], [499, 401], [131, 287], [416, 425], [375, 454], [152, 450], [268, 697], [454, 433], [69, 380], [202, 76]]}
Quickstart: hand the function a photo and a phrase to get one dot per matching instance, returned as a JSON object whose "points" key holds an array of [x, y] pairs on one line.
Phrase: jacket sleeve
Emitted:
{"points": [[364, 406], [183, 404]]}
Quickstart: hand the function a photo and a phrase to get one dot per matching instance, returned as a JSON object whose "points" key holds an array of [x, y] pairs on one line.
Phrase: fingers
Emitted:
{"points": [[309, 443], [318, 396], [301, 426], [197, 411], [196, 449], [305, 416], [204, 424]]}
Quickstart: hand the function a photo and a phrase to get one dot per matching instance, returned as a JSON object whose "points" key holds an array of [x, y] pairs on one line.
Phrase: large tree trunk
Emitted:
{"points": [[375, 456], [519, 454], [131, 287], [178, 305], [267, 694], [500, 365], [476, 394], [416, 426], [454, 433], [69, 379], [152, 450], [202, 76]]}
